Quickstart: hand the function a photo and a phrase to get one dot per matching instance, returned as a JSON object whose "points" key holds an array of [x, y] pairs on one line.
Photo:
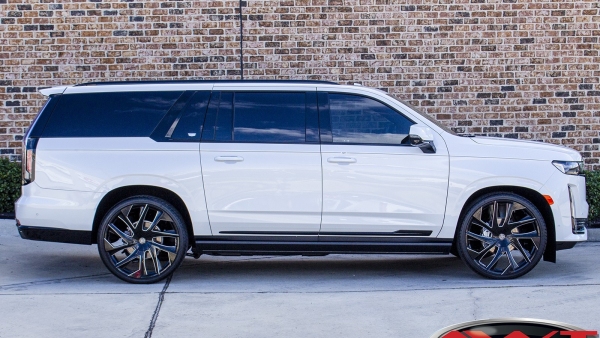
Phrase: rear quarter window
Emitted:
{"points": [[121, 114]]}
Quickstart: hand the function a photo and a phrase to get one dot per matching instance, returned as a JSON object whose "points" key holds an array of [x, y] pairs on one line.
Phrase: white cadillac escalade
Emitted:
{"points": [[155, 171]]}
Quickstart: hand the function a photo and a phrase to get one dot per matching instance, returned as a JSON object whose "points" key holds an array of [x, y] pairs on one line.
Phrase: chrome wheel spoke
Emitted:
{"points": [[507, 215], [511, 259], [127, 222], [531, 234], [526, 220], [169, 249], [155, 261], [157, 219], [137, 273], [494, 260], [126, 238], [143, 259], [164, 234], [520, 247], [111, 250], [495, 215], [143, 214], [127, 259], [485, 239], [483, 252], [480, 223]]}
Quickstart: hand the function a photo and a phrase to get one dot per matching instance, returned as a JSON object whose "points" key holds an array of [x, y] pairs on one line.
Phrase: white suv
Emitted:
{"points": [[153, 171]]}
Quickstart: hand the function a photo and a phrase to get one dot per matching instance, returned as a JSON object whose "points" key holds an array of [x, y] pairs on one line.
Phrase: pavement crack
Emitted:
{"points": [[161, 298], [48, 281], [475, 303]]}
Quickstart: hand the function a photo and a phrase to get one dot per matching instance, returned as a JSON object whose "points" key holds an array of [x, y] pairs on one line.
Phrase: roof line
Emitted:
{"points": [[200, 81]]}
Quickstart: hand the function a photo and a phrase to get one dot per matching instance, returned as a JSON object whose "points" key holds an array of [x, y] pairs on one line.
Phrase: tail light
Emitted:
{"points": [[28, 160]]}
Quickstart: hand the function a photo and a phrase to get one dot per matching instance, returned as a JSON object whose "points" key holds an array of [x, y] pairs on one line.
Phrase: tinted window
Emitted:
{"points": [[133, 114], [187, 125], [269, 117], [358, 119]]}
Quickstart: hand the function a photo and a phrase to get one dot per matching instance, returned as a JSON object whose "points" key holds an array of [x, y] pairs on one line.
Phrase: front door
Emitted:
{"points": [[261, 164], [374, 183]]}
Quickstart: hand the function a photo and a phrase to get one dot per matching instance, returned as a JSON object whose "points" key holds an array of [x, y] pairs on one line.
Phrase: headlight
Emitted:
{"points": [[569, 167]]}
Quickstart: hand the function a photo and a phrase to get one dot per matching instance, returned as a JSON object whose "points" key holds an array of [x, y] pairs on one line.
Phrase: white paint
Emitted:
{"points": [[279, 187]]}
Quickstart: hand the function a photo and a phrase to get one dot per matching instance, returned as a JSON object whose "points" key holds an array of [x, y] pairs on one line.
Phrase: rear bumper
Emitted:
{"points": [[58, 209], [55, 235]]}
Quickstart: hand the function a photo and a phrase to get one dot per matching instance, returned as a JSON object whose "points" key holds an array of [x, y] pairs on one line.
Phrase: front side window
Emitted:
{"points": [[358, 119], [269, 117]]}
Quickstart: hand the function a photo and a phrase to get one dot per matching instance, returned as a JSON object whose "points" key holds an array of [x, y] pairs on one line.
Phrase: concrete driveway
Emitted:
{"points": [[63, 290]]}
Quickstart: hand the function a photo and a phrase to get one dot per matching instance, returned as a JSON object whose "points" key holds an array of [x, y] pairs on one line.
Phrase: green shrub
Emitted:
{"points": [[592, 182], [10, 184]]}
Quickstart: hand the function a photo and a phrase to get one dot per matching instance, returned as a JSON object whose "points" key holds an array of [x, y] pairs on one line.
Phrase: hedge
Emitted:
{"points": [[10, 184], [592, 183]]}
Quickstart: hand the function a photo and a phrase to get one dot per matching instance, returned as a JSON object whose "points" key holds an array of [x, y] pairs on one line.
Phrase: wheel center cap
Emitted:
{"points": [[142, 240], [502, 237]]}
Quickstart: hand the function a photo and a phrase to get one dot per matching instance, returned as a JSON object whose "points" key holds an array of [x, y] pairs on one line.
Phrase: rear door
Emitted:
{"points": [[261, 163], [374, 183]]}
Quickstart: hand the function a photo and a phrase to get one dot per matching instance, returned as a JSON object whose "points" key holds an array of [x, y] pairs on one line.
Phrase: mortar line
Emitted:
{"points": [[161, 298]]}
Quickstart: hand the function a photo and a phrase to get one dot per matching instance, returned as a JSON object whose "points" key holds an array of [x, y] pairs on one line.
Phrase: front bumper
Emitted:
{"points": [[570, 208]]}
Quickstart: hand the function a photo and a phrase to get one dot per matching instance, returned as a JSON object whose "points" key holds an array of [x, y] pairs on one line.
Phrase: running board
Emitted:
{"points": [[228, 247]]}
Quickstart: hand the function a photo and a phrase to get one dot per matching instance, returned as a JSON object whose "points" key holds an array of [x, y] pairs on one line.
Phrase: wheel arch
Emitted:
{"points": [[534, 197], [116, 195]]}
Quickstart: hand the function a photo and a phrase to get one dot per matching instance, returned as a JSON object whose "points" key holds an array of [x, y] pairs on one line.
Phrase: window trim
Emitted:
{"points": [[327, 115], [172, 115]]}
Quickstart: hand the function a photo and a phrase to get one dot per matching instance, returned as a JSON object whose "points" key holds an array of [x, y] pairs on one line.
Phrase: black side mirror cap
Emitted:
{"points": [[426, 147]]}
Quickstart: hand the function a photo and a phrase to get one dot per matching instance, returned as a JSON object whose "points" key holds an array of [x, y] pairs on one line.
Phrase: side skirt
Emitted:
{"points": [[225, 246]]}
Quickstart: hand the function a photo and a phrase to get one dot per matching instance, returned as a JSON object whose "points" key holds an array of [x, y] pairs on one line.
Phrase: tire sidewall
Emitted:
{"points": [[484, 200], [157, 203]]}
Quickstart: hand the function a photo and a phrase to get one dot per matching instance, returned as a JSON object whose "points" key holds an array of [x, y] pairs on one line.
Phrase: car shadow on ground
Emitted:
{"points": [[333, 266]]}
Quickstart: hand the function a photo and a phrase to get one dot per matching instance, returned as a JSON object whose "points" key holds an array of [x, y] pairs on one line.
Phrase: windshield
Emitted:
{"points": [[429, 118]]}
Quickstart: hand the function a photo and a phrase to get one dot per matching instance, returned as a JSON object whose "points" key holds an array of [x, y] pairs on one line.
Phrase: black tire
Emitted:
{"points": [[147, 254], [508, 247]]}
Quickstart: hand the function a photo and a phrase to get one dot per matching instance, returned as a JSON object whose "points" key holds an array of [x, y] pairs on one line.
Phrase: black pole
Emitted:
{"points": [[241, 42]]}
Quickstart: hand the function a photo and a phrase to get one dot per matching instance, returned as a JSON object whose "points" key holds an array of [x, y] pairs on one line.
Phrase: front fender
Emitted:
{"points": [[469, 175]]}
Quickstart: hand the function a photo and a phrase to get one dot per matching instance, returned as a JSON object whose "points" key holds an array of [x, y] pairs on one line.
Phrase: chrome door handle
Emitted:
{"points": [[341, 160], [229, 159]]}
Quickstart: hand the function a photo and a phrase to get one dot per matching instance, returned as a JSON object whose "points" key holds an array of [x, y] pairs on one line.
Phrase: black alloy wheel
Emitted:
{"points": [[142, 239], [502, 236]]}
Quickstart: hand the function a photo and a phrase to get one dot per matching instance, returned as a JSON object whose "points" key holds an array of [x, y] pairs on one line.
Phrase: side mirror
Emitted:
{"points": [[422, 137]]}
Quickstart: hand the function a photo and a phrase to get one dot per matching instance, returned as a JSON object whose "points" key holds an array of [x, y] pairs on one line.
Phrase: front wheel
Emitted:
{"points": [[502, 236], [142, 239]]}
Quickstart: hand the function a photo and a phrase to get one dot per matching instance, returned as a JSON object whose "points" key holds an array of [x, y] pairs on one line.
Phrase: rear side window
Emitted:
{"points": [[269, 117], [262, 117], [121, 114], [362, 120]]}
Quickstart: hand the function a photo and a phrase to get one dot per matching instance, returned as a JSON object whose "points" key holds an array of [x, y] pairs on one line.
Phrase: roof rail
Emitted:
{"points": [[198, 81]]}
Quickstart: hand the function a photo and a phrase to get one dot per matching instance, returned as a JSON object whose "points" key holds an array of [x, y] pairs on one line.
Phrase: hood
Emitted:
{"points": [[533, 150]]}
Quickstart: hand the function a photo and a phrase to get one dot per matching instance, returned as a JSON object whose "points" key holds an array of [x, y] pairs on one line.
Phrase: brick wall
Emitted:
{"points": [[525, 69]]}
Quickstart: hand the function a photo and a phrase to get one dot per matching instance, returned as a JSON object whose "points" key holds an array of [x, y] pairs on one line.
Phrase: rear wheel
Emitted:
{"points": [[502, 236], [142, 239]]}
